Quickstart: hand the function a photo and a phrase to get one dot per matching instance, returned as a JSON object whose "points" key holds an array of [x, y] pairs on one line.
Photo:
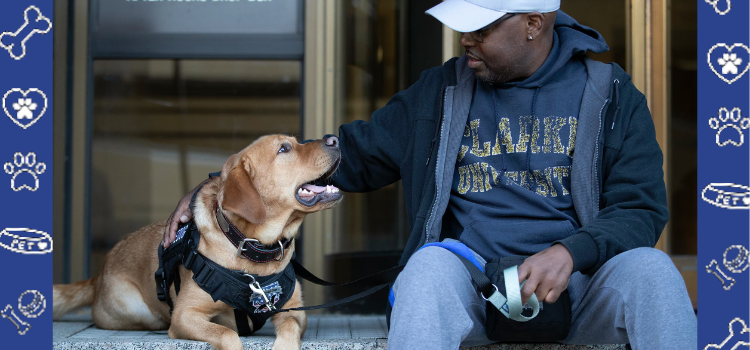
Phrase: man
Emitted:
{"points": [[513, 149]]}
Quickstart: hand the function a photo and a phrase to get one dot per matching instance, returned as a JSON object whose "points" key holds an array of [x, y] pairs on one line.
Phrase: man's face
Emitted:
{"points": [[503, 53]]}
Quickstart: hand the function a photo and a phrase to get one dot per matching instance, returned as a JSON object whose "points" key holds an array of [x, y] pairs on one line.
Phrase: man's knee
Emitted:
{"points": [[647, 267], [431, 266]]}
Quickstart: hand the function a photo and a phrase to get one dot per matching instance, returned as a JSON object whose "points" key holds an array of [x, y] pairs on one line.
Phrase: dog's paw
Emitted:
{"points": [[286, 344]]}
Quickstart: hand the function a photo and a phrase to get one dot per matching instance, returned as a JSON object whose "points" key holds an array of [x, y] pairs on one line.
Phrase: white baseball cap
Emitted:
{"points": [[469, 15]]}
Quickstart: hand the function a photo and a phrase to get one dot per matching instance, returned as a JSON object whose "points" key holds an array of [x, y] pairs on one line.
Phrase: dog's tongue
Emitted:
{"points": [[313, 188]]}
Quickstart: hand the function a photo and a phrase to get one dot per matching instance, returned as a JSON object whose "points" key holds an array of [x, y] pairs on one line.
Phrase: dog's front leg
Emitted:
{"points": [[194, 325], [291, 325], [191, 320]]}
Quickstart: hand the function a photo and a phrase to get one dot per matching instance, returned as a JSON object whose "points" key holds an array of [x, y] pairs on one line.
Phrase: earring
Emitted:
{"points": [[530, 37]]}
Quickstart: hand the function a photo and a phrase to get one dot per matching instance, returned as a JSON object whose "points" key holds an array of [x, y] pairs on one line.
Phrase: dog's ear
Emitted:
{"points": [[241, 197]]}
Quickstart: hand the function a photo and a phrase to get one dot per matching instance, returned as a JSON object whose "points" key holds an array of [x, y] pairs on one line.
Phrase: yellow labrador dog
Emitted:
{"points": [[264, 191]]}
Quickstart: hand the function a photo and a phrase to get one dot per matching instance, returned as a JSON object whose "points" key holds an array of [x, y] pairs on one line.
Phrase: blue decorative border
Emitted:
{"points": [[26, 212], [723, 210]]}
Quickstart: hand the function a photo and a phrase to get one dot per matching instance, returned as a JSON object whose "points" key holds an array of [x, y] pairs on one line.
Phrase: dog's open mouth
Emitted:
{"points": [[310, 194]]}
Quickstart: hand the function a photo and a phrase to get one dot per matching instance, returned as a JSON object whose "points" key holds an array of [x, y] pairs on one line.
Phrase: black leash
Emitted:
{"points": [[384, 277]]}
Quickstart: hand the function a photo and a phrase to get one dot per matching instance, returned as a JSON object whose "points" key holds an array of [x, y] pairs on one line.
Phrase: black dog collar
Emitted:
{"points": [[250, 248]]}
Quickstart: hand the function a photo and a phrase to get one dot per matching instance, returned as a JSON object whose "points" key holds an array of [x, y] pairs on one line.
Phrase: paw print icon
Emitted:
{"points": [[24, 107], [730, 119], [729, 63], [25, 171]]}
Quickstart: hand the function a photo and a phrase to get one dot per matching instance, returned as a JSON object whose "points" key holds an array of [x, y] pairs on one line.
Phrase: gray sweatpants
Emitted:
{"points": [[637, 297]]}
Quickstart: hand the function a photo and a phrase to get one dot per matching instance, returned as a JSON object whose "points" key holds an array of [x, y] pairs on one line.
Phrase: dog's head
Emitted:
{"points": [[272, 181]]}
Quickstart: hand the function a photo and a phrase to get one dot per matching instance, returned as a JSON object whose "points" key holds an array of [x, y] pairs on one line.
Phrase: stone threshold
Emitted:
{"points": [[361, 332]]}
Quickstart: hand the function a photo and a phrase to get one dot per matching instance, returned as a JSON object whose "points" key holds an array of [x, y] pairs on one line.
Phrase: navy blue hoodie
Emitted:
{"points": [[511, 187], [623, 202]]}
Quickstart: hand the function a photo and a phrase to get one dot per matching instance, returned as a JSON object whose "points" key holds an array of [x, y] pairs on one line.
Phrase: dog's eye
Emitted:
{"points": [[284, 149]]}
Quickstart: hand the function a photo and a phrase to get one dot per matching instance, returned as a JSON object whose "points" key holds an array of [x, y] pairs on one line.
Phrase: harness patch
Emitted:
{"points": [[180, 233], [273, 292]]}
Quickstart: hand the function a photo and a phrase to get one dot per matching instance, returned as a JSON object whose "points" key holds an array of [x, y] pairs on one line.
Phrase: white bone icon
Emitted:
{"points": [[26, 241], [39, 24], [713, 268], [731, 335], [715, 3], [24, 107], [22, 326], [726, 116], [31, 310], [729, 63], [19, 161]]}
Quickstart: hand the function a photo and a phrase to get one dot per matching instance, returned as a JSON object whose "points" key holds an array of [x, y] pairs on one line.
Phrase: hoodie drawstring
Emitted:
{"points": [[497, 125], [533, 115]]}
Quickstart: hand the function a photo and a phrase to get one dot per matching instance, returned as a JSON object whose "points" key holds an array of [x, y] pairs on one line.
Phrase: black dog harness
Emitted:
{"points": [[235, 288], [249, 295]]}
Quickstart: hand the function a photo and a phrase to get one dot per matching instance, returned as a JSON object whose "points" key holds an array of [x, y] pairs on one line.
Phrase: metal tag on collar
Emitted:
{"points": [[221, 220], [255, 287], [241, 247]]}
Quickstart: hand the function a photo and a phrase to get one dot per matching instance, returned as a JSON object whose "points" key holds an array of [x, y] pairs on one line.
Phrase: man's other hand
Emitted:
{"points": [[547, 274]]}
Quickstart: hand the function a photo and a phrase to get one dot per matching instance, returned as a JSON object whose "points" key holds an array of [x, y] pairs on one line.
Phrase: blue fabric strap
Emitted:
{"points": [[457, 248]]}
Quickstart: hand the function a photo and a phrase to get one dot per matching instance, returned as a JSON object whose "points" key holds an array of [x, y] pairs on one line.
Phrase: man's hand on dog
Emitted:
{"points": [[181, 214], [547, 274]]}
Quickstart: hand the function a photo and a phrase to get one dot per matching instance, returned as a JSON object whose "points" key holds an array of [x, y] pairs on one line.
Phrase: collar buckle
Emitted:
{"points": [[281, 247], [241, 247]]}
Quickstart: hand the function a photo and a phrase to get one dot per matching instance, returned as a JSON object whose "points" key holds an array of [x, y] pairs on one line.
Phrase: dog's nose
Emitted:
{"points": [[332, 141]]}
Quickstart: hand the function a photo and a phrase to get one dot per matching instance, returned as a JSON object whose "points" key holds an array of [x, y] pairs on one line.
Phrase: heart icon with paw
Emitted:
{"points": [[729, 62], [26, 106]]}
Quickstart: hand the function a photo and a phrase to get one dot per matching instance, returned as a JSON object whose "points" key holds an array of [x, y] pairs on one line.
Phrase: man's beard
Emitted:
{"points": [[494, 76]]}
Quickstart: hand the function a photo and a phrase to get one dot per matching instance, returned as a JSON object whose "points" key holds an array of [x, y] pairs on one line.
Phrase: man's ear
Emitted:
{"points": [[241, 197], [535, 24]]}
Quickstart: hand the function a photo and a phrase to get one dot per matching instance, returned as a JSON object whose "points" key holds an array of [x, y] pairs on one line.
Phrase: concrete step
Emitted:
{"points": [[78, 332]]}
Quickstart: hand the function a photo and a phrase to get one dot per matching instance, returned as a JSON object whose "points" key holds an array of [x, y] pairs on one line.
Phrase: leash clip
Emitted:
{"points": [[255, 287]]}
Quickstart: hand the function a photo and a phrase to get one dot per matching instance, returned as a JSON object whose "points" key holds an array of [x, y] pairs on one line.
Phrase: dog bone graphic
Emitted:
{"points": [[32, 25], [22, 326], [713, 268], [742, 329]]}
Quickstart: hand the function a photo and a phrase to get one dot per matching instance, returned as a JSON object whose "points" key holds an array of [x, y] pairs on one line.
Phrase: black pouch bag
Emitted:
{"points": [[550, 325]]}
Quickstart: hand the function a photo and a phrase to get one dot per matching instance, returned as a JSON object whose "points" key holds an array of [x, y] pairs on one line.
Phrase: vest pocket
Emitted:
{"points": [[493, 239]]}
